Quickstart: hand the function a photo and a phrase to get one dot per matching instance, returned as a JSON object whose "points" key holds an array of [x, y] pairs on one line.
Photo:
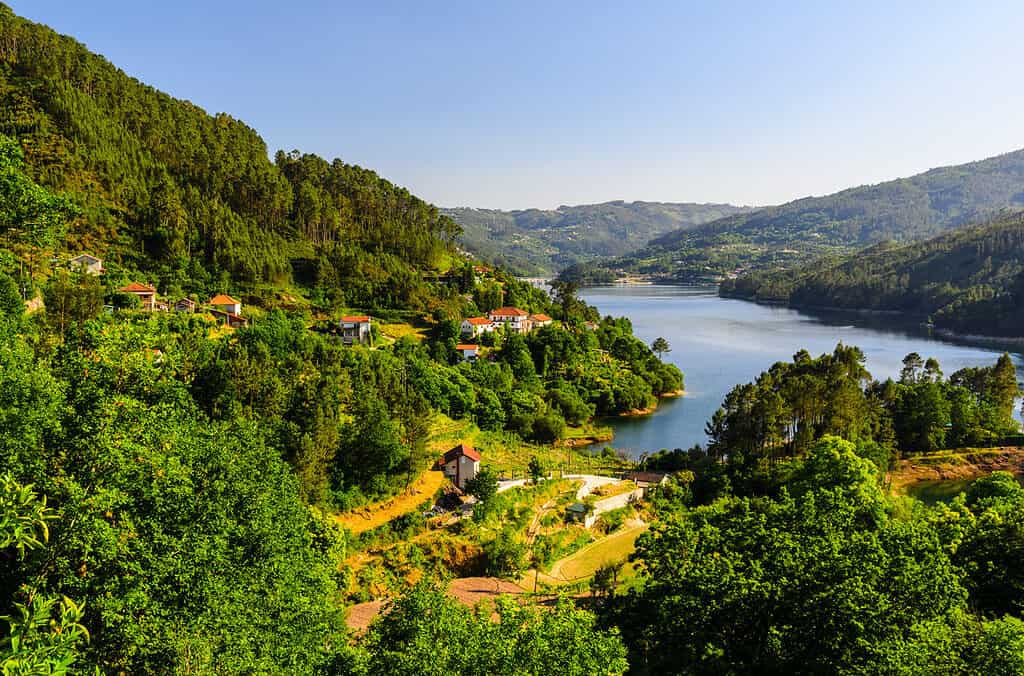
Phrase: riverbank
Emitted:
{"points": [[640, 412], [908, 317]]}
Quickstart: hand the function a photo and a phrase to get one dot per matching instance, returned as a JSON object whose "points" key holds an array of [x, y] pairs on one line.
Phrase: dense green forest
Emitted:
{"points": [[192, 200], [903, 210], [541, 242], [969, 281]]}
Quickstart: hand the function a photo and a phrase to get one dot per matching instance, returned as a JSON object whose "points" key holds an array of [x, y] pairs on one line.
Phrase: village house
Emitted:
{"points": [[185, 305], [461, 464], [539, 320], [468, 352], [648, 481], [580, 512], [145, 293], [516, 319], [475, 326], [88, 264], [227, 304], [355, 329], [229, 318]]}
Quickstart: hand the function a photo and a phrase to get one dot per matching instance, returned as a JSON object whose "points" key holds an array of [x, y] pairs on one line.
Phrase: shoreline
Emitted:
{"points": [[950, 334]]}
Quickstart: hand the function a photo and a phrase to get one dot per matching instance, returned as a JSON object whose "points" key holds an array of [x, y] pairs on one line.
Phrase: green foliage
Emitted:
{"points": [[778, 416], [428, 633], [23, 516], [43, 634], [44, 637], [822, 580]]}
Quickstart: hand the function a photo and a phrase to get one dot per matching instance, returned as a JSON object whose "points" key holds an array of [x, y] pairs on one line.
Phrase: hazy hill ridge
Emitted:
{"points": [[536, 241], [901, 210]]}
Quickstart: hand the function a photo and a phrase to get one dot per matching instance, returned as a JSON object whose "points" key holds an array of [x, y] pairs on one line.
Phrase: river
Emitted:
{"points": [[720, 342]]}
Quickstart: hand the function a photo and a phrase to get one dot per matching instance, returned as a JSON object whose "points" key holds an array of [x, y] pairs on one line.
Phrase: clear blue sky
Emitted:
{"points": [[525, 103]]}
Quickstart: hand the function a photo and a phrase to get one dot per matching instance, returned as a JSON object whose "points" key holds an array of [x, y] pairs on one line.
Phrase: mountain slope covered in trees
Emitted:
{"points": [[969, 280], [192, 198], [539, 241], [903, 210]]}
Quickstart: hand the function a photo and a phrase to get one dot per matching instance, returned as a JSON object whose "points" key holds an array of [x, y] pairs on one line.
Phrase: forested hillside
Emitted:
{"points": [[969, 281], [192, 198], [541, 242], [902, 210]]}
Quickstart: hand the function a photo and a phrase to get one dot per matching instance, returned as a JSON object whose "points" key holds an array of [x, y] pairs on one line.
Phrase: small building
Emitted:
{"points": [[468, 352], [539, 320], [647, 481], [475, 326], [580, 512], [145, 293], [185, 305], [355, 329], [516, 319], [88, 264], [229, 319], [226, 303], [461, 464]]}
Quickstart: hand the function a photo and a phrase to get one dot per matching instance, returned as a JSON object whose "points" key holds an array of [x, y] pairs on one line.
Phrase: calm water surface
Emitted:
{"points": [[719, 343]]}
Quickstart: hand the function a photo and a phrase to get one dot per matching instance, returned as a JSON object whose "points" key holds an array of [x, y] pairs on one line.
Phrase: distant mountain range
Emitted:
{"points": [[537, 242], [902, 210], [970, 281]]}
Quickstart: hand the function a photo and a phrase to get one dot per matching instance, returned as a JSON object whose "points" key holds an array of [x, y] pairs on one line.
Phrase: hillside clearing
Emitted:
{"points": [[379, 513]]}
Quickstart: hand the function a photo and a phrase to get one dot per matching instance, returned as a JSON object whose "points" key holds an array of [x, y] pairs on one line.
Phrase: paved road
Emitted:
{"points": [[590, 482]]}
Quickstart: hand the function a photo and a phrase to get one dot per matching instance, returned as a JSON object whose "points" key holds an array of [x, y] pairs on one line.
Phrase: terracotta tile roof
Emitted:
{"points": [[466, 346], [355, 319], [135, 287], [509, 312], [460, 450], [222, 299], [479, 321], [540, 318]]}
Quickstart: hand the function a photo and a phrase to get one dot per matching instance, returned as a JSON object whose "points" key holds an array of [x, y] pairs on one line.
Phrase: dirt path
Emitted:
{"points": [[371, 516], [467, 590]]}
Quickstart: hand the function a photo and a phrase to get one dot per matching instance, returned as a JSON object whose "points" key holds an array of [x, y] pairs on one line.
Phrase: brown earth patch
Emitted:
{"points": [[957, 465]]}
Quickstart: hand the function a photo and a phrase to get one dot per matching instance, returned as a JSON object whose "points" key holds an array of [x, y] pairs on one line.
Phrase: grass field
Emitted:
{"points": [[379, 513], [584, 563]]}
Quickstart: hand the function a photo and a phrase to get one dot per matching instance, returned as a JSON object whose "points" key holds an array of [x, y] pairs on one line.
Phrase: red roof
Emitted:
{"points": [[462, 450], [540, 318], [478, 321], [222, 299], [510, 312], [356, 319], [467, 347], [135, 287]]}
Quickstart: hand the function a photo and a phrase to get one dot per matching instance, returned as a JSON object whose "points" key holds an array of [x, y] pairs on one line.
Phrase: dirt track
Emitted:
{"points": [[467, 590]]}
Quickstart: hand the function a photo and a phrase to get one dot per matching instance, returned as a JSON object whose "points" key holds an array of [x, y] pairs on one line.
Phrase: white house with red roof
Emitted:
{"points": [[226, 303], [355, 329], [475, 326], [461, 464], [538, 320], [145, 293], [516, 319]]}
